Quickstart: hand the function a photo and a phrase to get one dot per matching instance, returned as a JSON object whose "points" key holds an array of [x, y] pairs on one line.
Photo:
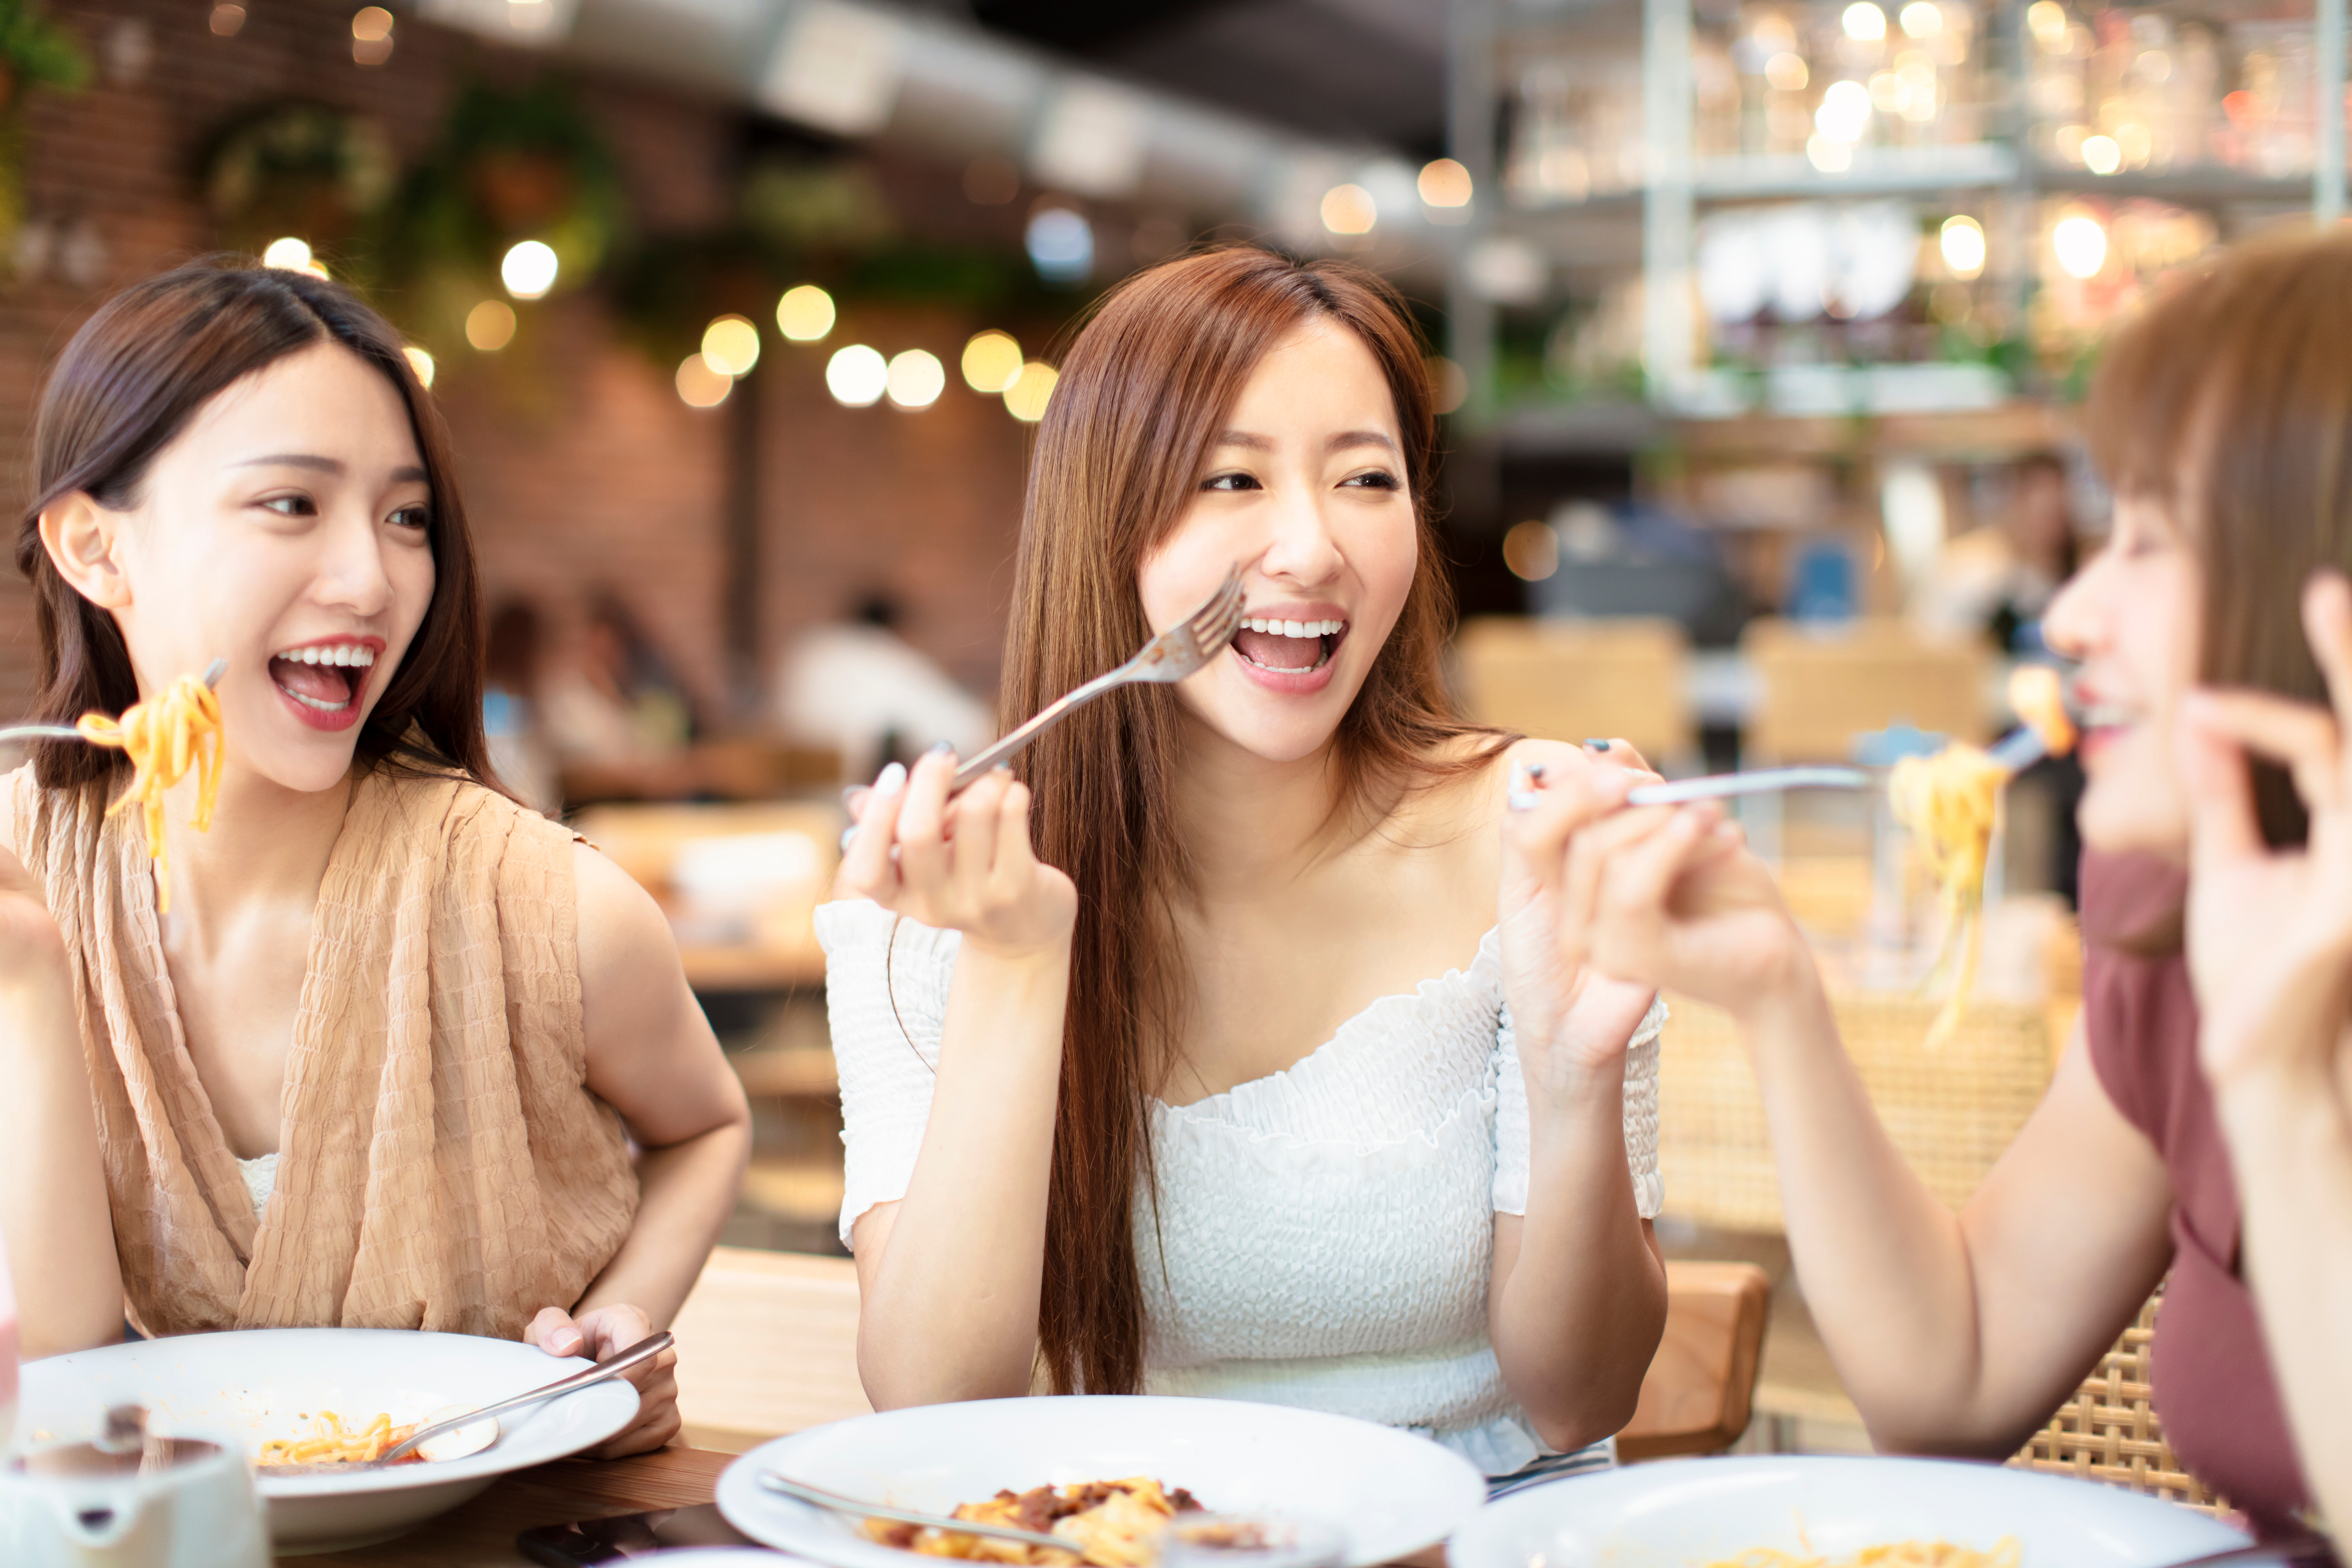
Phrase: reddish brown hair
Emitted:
{"points": [[1144, 389], [125, 387], [2229, 401]]}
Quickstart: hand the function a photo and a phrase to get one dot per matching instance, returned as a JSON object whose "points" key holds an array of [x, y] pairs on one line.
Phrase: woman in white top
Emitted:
{"points": [[1215, 1089]]}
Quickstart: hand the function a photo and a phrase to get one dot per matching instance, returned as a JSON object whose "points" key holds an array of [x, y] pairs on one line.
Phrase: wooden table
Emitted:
{"points": [[482, 1533]]}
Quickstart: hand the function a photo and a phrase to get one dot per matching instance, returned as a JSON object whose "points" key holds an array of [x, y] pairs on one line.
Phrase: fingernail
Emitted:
{"points": [[1002, 768], [1598, 746], [849, 793], [890, 780], [1535, 773], [939, 749], [1523, 800]]}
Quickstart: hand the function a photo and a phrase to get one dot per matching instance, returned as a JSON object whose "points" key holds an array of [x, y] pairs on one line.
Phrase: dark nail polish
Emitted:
{"points": [[1535, 773], [1597, 745]]}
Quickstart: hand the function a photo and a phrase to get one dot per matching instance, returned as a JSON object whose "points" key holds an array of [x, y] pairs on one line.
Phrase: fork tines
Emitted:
{"points": [[1214, 623]]}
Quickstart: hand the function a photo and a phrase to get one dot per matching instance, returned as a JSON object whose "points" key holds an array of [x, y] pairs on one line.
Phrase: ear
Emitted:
{"points": [[79, 535]]}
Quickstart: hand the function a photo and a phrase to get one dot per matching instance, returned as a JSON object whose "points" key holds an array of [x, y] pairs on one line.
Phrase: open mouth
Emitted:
{"points": [[324, 679], [1288, 648]]}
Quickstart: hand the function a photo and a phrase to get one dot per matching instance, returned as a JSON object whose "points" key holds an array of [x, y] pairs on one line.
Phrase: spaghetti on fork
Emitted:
{"points": [[164, 738]]}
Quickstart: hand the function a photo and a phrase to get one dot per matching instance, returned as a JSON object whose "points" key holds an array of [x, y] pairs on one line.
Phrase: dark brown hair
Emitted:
{"points": [[2229, 401], [125, 387], [1126, 439]]}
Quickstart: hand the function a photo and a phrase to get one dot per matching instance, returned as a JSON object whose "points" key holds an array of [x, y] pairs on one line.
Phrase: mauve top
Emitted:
{"points": [[2214, 1387]]}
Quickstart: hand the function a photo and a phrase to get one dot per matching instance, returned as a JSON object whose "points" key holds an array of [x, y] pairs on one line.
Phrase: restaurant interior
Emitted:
{"points": [[1760, 330]]}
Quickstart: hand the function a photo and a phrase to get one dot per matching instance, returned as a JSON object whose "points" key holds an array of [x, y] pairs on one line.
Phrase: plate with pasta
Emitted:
{"points": [[1103, 1472], [1832, 1512], [314, 1396]]}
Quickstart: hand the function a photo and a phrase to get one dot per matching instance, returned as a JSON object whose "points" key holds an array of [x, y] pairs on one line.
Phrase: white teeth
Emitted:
{"points": [[314, 703], [344, 654], [1281, 629]]}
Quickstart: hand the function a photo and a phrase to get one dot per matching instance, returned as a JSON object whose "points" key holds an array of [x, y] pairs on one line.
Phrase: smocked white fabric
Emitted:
{"points": [[1322, 1237]]}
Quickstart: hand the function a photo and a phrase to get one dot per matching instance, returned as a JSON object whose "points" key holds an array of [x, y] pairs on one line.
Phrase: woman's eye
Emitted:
{"points": [[1230, 482], [1377, 480], [292, 506], [416, 517]]}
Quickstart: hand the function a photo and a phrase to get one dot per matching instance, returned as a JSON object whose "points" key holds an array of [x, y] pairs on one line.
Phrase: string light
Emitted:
{"points": [[529, 269], [1962, 241], [701, 384], [1026, 399], [991, 362], [916, 378], [1350, 209], [490, 325], [857, 376], [805, 313], [731, 345]]}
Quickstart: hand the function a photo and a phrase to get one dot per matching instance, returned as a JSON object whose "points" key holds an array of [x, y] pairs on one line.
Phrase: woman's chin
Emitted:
{"points": [[2132, 819]]}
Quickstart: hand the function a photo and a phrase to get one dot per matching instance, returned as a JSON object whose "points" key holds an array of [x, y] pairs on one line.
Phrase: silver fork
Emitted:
{"points": [[1183, 649], [14, 732]]}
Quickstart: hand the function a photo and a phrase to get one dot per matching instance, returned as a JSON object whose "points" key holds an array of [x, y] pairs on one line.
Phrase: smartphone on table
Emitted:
{"points": [[616, 1539]]}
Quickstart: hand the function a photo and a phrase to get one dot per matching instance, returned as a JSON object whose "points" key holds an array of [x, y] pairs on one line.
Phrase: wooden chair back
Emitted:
{"points": [[2109, 1432], [767, 1344], [1696, 1396], [1567, 680], [1820, 688]]}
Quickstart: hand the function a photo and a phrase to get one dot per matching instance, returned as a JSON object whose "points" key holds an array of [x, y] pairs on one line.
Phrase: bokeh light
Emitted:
{"points": [[805, 313], [490, 325], [701, 384], [1863, 21], [226, 20], [991, 362], [2102, 154], [1444, 183], [422, 364], [1922, 18], [1448, 385], [1532, 549], [2046, 20], [1026, 399], [731, 345], [1061, 245], [1350, 209], [292, 255], [529, 270], [857, 376], [915, 379], [1844, 113], [1962, 241], [370, 36], [2081, 242]]}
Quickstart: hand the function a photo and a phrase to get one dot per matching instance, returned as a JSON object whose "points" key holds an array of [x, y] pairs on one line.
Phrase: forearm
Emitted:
{"points": [[1580, 1310], [1885, 1265], [53, 1205], [2290, 1142], [949, 1310], [685, 1191]]}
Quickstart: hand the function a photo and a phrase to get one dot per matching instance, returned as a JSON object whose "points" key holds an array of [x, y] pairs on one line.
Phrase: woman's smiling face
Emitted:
{"points": [[1306, 491], [287, 530]]}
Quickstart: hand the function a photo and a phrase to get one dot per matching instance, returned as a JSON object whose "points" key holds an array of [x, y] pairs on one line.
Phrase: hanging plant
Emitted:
{"points": [[509, 166], [34, 52], [296, 168]]}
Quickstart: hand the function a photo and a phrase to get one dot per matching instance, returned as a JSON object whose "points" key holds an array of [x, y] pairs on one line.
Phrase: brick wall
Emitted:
{"points": [[583, 469]]}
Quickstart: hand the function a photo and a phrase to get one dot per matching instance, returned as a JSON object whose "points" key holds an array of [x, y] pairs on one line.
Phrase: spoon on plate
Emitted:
{"points": [[469, 1432]]}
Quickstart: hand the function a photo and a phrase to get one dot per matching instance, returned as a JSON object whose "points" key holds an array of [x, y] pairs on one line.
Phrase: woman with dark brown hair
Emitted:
{"points": [[1214, 1090], [380, 1063], [2214, 1156]]}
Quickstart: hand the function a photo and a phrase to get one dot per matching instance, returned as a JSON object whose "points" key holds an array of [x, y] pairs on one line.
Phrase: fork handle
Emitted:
{"points": [[644, 1350], [15, 732], [1014, 741]]}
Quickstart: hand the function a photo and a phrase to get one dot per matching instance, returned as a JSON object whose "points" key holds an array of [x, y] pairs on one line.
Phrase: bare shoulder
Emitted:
{"points": [[622, 932]]}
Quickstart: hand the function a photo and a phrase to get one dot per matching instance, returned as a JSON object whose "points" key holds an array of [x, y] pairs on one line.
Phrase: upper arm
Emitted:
{"points": [[2066, 1239], [651, 1053]]}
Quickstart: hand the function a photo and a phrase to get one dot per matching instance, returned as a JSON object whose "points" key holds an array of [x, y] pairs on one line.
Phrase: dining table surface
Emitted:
{"points": [[481, 1534]]}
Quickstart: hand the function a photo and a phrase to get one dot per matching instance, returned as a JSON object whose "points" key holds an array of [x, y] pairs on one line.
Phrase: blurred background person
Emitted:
{"points": [[1997, 580], [860, 689], [615, 714], [518, 747]]}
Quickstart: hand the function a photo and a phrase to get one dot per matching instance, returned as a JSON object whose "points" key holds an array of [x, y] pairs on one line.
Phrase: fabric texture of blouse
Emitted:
{"points": [[1324, 1235], [443, 1164], [2214, 1385]]}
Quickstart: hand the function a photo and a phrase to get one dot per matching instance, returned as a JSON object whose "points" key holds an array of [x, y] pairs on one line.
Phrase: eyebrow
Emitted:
{"points": [[326, 465], [1339, 443]]}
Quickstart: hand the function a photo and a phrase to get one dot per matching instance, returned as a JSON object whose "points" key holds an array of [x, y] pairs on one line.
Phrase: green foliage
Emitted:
{"points": [[37, 52], [296, 168]]}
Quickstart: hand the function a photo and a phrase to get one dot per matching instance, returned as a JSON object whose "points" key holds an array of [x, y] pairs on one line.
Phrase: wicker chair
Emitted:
{"points": [[2108, 1431]]}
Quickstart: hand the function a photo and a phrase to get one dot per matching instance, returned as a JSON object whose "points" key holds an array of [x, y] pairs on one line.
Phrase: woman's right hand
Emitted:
{"points": [[1671, 897], [962, 865]]}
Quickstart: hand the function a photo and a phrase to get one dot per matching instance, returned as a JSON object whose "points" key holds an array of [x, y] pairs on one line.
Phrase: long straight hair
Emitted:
{"points": [[131, 380], [1144, 389]]}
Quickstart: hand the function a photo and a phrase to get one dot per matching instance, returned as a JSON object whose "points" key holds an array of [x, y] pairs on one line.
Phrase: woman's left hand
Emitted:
{"points": [[600, 1334], [1571, 1020], [2270, 930]]}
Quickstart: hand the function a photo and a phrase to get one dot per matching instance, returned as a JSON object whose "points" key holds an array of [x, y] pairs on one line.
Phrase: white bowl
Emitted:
{"points": [[1689, 1511], [1389, 1493], [247, 1388]]}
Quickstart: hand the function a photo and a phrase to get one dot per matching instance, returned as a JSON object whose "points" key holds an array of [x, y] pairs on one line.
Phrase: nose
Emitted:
{"points": [[2076, 624], [352, 575], [1301, 547]]}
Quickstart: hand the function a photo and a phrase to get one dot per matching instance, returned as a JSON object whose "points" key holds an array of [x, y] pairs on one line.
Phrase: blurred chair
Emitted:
{"points": [[1696, 1397], [1566, 680], [767, 1344], [2109, 1432], [1820, 687]]}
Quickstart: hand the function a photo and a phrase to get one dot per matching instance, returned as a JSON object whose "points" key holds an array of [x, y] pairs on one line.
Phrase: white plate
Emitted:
{"points": [[1389, 1493], [1689, 1511], [244, 1388]]}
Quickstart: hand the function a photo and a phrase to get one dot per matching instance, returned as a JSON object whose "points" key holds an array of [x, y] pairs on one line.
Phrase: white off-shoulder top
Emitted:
{"points": [[1324, 1236]]}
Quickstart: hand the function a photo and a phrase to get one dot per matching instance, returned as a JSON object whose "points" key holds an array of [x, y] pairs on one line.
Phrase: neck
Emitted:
{"points": [[1249, 824], [266, 844]]}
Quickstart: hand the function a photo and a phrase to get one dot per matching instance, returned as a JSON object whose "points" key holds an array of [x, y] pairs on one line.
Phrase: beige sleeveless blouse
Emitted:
{"points": [[442, 1164]]}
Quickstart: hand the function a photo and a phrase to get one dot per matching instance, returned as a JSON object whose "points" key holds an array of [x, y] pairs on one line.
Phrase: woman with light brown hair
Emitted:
{"points": [[2213, 1154], [1186, 1066], [370, 1051]]}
